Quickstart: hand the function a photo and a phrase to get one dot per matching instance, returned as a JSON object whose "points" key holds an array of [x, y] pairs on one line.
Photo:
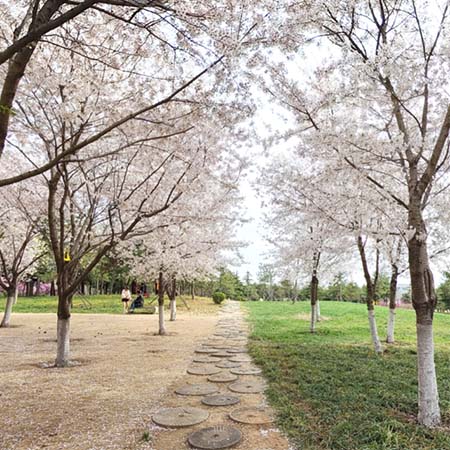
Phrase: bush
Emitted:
{"points": [[218, 297]]}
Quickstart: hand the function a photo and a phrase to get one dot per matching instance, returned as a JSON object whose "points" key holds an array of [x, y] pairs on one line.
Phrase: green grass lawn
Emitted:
{"points": [[330, 389], [103, 304]]}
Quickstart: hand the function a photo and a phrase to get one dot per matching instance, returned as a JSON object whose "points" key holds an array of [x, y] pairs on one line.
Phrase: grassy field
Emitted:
{"points": [[330, 389], [104, 304]]}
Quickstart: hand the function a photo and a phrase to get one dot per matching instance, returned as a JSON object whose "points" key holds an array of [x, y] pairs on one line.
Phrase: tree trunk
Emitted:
{"points": [[28, 291], [16, 294], [392, 305], [63, 330], [424, 302], [63, 343], [173, 299], [192, 291], [429, 412], [52, 288], [370, 292], [162, 329], [173, 309], [374, 331], [294, 293], [10, 301], [134, 287], [314, 289]]}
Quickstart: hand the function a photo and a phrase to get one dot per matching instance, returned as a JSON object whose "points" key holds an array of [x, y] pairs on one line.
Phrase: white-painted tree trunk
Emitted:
{"points": [[374, 332], [429, 413], [10, 301], [318, 311], [391, 327], [63, 346], [162, 329], [173, 310], [312, 327]]}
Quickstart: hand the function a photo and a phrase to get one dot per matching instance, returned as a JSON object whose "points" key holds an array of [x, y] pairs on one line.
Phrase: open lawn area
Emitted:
{"points": [[105, 304], [332, 391]]}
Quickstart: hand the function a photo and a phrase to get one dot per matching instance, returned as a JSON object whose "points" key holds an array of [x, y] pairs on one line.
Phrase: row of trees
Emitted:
{"points": [[113, 273], [339, 289], [364, 170], [115, 132]]}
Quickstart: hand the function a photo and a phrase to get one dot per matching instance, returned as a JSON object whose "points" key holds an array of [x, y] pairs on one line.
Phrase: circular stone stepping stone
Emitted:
{"points": [[222, 378], [249, 387], [255, 416], [180, 417], [204, 359], [214, 438], [220, 400], [206, 350], [241, 358], [197, 389], [245, 371], [227, 364], [203, 370], [221, 355]]}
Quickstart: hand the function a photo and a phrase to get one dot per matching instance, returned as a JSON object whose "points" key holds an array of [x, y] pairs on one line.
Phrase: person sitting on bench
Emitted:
{"points": [[138, 302]]}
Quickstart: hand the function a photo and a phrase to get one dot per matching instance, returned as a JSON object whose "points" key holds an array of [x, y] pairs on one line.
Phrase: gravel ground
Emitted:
{"points": [[123, 372]]}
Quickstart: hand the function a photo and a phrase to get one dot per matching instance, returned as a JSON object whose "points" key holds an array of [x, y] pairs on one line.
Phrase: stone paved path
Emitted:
{"points": [[226, 347]]}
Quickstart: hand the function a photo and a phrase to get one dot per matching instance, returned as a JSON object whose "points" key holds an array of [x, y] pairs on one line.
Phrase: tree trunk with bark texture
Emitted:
{"points": [[374, 332], [63, 331], [370, 292], [63, 343], [162, 329], [424, 302], [172, 293], [390, 339], [314, 288], [173, 310], [11, 296]]}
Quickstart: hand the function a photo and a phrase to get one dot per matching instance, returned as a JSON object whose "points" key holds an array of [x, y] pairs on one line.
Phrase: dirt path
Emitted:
{"points": [[104, 403]]}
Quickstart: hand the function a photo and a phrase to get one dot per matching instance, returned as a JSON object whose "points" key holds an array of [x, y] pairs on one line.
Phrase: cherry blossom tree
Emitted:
{"points": [[197, 233], [386, 70], [134, 38], [119, 151], [20, 224], [329, 209], [302, 241]]}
